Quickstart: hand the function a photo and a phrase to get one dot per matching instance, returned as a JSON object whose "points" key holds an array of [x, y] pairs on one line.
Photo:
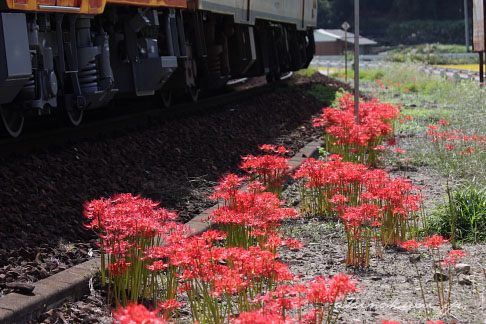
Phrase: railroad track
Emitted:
{"points": [[46, 138]]}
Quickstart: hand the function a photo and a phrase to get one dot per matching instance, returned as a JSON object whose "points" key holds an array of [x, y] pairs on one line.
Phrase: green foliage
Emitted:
{"points": [[426, 31], [467, 210], [310, 71], [365, 75], [430, 54], [323, 93], [421, 118], [371, 75]]}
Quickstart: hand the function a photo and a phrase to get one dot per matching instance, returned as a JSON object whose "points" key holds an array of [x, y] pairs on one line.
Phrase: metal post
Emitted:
{"points": [[356, 60], [346, 56], [345, 26], [481, 74], [466, 23]]}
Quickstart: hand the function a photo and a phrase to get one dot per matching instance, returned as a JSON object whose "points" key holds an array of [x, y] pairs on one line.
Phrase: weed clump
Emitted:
{"points": [[466, 210]]}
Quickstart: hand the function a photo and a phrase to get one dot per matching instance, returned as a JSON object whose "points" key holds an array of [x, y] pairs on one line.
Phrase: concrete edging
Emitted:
{"points": [[73, 283]]}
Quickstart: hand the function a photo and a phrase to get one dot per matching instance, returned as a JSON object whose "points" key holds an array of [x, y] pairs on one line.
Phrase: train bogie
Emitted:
{"points": [[80, 54]]}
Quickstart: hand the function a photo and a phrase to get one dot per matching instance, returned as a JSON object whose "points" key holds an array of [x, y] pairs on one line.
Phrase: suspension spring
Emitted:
{"points": [[88, 77]]}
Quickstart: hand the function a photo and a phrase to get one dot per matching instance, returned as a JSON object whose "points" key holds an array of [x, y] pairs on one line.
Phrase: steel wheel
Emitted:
{"points": [[166, 98], [74, 115], [193, 93], [13, 120]]}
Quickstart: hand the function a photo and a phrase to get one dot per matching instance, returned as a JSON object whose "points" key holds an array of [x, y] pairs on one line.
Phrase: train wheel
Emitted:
{"points": [[74, 115], [193, 93], [13, 120], [166, 96]]}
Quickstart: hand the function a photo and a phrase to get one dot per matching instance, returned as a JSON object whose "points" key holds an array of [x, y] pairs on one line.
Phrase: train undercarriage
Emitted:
{"points": [[70, 63]]}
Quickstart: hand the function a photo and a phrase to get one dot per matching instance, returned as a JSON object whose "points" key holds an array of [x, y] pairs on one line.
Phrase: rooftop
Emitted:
{"points": [[331, 35]]}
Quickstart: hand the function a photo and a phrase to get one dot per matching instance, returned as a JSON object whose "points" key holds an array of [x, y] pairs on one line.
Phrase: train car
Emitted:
{"points": [[70, 56]]}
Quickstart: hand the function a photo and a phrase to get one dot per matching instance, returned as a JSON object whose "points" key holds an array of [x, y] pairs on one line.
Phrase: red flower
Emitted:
{"points": [[136, 314], [452, 257], [469, 150], [449, 147], [435, 241], [169, 304], [410, 245]]}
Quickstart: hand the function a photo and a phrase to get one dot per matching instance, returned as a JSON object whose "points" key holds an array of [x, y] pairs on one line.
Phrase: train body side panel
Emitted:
{"points": [[91, 7], [302, 13], [151, 3]]}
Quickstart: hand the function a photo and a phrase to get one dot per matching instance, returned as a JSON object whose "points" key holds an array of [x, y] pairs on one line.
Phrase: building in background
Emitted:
{"points": [[332, 41]]}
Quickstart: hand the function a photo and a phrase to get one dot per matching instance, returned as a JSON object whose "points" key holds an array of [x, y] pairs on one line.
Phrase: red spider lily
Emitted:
{"points": [[248, 212], [336, 185], [118, 268], [136, 314], [435, 241], [169, 304], [392, 141], [344, 136], [360, 225], [258, 317], [127, 225], [322, 290], [444, 122], [293, 244], [318, 297], [452, 257], [270, 170], [449, 147], [274, 149], [228, 187], [469, 150], [410, 245]]}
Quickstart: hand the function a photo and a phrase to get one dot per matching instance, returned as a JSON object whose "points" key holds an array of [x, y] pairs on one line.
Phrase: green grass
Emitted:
{"points": [[427, 49], [430, 54], [324, 94], [468, 213], [310, 71], [364, 75], [421, 118]]}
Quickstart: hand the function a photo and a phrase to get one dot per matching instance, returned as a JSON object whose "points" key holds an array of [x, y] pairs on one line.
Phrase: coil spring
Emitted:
{"points": [[88, 77]]}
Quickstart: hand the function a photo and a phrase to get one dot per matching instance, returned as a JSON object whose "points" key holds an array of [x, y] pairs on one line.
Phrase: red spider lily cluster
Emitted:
{"points": [[249, 218], [150, 258], [372, 205], [269, 169], [312, 302], [454, 139], [440, 263], [396, 322], [126, 226], [357, 142]]}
